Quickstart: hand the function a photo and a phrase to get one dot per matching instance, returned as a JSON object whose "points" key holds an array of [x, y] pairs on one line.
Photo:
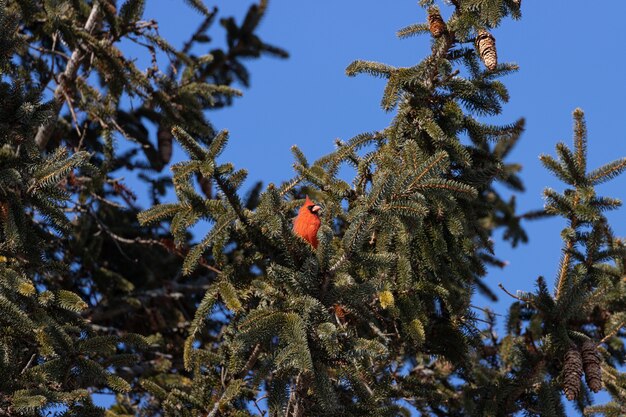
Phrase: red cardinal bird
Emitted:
{"points": [[307, 223]]}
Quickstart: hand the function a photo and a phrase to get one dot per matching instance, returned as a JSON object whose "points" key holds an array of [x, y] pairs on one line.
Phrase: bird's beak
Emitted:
{"points": [[316, 209]]}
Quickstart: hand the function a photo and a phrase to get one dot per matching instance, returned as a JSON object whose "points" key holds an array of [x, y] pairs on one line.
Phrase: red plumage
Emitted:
{"points": [[307, 223]]}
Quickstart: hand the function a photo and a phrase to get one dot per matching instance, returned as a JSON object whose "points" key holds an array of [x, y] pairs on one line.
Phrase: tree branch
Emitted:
{"points": [[608, 337], [569, 245], [247, 367], [68, 76]]}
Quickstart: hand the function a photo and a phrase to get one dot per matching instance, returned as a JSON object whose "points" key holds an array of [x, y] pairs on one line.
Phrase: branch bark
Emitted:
{"points": [[295, 399], [65, 78]]}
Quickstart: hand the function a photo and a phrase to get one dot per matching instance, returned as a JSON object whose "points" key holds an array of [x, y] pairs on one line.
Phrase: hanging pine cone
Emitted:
{"points": [[436, 24], [206, 185], [164, 139], [591, 364], [486, 48], [110, 7], [572, 372]]}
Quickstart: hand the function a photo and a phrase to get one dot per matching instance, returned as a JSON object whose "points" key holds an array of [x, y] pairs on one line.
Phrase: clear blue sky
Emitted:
{"points": [[569, 52]]}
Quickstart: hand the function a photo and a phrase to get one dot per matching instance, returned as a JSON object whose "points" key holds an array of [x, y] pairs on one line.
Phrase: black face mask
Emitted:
{"points": [[312, 207]]}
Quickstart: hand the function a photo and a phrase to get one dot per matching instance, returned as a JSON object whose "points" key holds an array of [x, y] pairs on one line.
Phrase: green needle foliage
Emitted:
{"points": [[352, 327], [101, 295], [80, 279], [49, 354], [527, 368]]}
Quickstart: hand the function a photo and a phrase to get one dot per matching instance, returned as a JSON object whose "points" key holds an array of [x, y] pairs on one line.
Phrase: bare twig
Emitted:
{"points": [[82, 137], [68, 76], [515, 296], [251, 361], [293, 399], [68, 100], [107, 202], [49, 51], [256, 404], [247, 367], [30, 361], [484, 310], [147, 24], [613, 333], [119, 239]]}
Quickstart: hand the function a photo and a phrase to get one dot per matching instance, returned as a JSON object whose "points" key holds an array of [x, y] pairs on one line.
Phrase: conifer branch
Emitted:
{"points": [[608, 337], [30, 361], [562, 277], [256, 351], [526, 301], [448, 41], [294, 400], [338, 263], [251, 361], [567, 253], [151, 242], [287, 187], [65, 79], [607, 172], [70, 105], [523, 385], [233, 200]]}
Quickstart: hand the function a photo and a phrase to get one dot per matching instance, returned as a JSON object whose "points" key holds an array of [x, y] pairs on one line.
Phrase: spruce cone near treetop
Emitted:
{"points": [[165, 139], [436, 24], [572, 373], [486, 48], [591, 364]]}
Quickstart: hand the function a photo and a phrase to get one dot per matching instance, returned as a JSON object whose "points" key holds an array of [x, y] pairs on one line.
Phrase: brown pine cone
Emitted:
{"points": [[572, 373], [591, 364], [110, 7], [436, 24], [486, 48], [340, 313], [164, 139], [206, 185]]}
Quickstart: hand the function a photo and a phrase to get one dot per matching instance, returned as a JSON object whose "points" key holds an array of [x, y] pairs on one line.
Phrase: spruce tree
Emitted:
{"points": [[332, 331], [49, 353], [90, 299], [373, 318]]}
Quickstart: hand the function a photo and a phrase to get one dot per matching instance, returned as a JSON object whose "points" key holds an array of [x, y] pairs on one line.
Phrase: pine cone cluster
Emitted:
{"points": [[572, 373], [591, 364], [575, 361], [436, 24], [486, 48]]}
